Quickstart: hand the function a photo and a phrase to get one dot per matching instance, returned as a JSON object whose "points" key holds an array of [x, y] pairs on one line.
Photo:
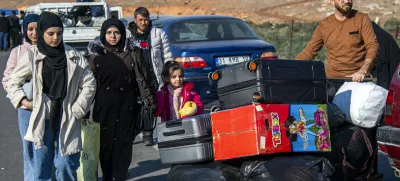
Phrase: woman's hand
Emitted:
{"points": [[27, 104], [84, 121], [358, 76]]}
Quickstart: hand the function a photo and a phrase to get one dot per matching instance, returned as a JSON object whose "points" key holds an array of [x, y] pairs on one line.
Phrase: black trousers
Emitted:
{"points": [[147, 133], [15, 37]]}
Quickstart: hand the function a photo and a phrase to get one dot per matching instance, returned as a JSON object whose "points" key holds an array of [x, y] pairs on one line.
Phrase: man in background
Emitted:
{"points": [[21, 14], [156, 51], [21, 18], [15, 29], [4, 31], [350, 40]]}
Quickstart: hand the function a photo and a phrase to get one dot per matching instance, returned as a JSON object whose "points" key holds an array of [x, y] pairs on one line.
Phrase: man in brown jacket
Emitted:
{"points": [[350, 40]]}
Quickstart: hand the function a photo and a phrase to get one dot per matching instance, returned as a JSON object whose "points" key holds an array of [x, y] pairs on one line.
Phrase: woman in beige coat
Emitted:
{"points": [[63, 90]]}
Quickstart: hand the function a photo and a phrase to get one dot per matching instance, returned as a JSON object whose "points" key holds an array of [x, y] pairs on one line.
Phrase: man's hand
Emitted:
{"points": [[358, 76], [84, 121], [27, 104]]}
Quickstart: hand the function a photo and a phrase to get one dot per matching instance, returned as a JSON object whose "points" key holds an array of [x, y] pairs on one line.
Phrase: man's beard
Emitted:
{"points": [[346, 9]]}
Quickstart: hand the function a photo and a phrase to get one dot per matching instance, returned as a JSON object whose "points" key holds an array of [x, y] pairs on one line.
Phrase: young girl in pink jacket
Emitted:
{"points": [[24, 113], [177, 98]]}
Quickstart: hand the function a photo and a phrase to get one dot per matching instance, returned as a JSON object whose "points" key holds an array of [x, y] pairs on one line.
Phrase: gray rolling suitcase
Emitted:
{"points": [[185, 140]]}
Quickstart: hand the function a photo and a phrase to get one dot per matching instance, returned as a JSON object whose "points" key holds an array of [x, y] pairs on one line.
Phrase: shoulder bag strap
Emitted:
{"points": [[143, 100], [139, 80]]}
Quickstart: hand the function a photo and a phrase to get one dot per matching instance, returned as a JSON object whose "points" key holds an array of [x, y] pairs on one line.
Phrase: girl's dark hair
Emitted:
{"points": [[169, 68]]}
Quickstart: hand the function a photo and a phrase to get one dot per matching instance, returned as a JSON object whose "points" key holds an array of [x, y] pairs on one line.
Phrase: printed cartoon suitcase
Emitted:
{"points": [[270, 128]]}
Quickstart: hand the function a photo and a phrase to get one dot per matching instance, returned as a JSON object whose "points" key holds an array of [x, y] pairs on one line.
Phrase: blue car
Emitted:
{"points": [[204, 44]]}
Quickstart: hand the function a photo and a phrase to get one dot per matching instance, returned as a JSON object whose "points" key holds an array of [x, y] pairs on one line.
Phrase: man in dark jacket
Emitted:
{"points": [[152, 40], [388, 59], [14, 29], [4, 31], [22, 14], [155, 50]]}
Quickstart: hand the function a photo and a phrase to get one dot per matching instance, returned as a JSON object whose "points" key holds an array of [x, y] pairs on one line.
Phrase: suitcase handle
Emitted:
{"points": [[346, 79], [173, 123], [267, 124], [172, 133]]}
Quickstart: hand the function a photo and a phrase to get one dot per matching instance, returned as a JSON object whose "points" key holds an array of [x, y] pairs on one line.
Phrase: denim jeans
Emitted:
{"points": [[3, 40], [27, 146], [49, 154]]}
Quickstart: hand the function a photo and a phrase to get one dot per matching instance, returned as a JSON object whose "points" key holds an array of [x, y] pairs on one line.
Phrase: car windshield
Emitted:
{"points": [[210, 30]]}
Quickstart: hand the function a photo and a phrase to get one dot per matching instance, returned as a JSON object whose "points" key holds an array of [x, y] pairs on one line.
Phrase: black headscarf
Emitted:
{"points": [[120, 26], [54, 65]]}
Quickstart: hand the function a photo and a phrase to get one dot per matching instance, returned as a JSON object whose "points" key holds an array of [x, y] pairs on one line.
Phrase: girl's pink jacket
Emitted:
{"points": [[188, 94]]}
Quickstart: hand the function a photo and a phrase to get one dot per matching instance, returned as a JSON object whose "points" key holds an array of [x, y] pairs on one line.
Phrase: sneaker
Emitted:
{"points": [[148, 140]]}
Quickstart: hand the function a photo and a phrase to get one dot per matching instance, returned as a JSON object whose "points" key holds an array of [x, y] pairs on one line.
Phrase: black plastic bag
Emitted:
{"points": [[214, 171], [352, 152], [335, 116], [290, 168]]}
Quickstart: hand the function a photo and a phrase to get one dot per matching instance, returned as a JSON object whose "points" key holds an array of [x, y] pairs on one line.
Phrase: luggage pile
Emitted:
{"points": [[299, 168], [268, 108], [355, 111]]}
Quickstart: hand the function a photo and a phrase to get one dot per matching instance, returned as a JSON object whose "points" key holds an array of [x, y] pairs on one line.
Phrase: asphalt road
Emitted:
{"points": [[145, 166]]}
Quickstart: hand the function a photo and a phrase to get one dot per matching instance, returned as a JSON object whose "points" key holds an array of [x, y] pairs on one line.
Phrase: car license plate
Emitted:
{"points": [[231, 60]]}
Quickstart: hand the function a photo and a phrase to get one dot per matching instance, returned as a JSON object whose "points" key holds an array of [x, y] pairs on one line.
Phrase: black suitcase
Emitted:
{"points": [[272, 81]]}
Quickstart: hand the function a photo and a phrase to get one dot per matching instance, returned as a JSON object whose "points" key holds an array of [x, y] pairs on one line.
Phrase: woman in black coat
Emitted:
{"points": [[116, 106], [388, 59]]}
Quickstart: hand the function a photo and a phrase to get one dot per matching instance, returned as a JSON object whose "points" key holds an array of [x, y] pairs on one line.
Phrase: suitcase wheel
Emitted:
{"points": [[215, 109]]}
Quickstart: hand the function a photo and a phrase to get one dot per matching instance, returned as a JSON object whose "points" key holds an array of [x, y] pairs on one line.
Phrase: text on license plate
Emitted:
{"points": [[231, 60]]}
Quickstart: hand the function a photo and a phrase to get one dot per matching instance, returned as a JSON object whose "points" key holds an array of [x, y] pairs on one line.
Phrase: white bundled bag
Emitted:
{"points": [[362, 103]]}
